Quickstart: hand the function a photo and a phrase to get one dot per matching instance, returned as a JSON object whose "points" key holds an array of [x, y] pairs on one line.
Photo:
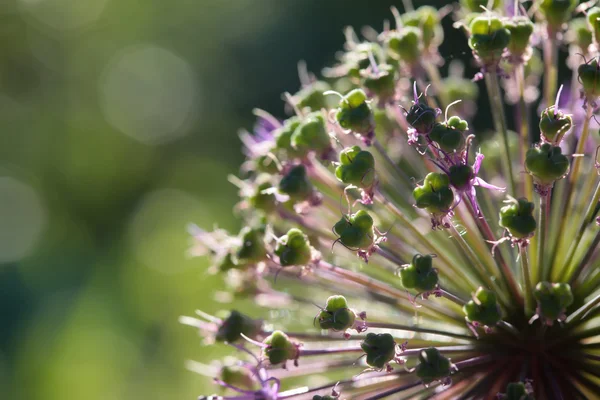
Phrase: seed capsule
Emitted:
{"points": [[483, 308], [420, 274]]}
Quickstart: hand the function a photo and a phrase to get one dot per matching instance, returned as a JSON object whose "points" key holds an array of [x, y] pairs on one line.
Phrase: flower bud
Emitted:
{"points": [[557, 12], [420, 274], [552, 299], [593, 17], [520, 29], [354, 113], [252, 248], [579, 33], [483, 308], [449, 135], [355, 231], [405, 45], [357, 167], [435, 194], [263, 201], [421, 117], [427, 20], [280, 348], [311, 135], [283, 135], [517, 218], [237, 376], [336, 315], [380, 349], [296, 184], [589, 77], [293, 248], [488, 38], [554, 124], [235, 325], [381, 82], [433, 366], [312, 96], [546, 164], [461, 176]]}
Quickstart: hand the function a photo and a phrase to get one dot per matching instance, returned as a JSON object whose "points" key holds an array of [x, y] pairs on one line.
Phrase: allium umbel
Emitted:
{"points": [[411, 255]]}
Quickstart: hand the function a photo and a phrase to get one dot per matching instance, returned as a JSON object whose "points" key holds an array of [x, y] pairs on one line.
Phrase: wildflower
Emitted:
{"points": [[521, 319]]}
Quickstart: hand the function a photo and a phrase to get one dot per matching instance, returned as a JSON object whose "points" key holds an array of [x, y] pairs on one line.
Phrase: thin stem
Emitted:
{"points": [[526, 277], [397, 170], [486, 230], [394, 391], [544, 214], [572, 180], [523, 113], [497, 107], [473, 258], [472, 361], [509, 327], [455, 299], [584, 224], [413, 328], [583, 310], [550, 67]]}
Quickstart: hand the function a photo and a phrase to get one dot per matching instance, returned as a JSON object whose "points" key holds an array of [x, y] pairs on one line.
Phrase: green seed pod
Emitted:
{"points": [[265, 164], [296, 184], [234, 325], [546, 164], [520, 29], [517, 391], [293, 248], [311, 135], [589, 77], [252, 248], [517, 218], [461, 176], [421, 117], [554, 124], [405, 45], [435, 195], [312, 96], [263, 201], [283, 135], [355, 231], [488, 38], [420, 274], [580, 34], [382, 83], [483, 308], [227, 262], [279, 348], [238, 377], [357, 167], [556, 12], [427, 20], [354, 113], [449, 135], [433, 366], [552, 299], [475, 5], [358, 60], [336, 315], [380, 349]]}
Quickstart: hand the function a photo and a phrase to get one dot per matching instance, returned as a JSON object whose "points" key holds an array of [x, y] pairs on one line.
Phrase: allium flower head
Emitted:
{"points": [[407, 266]]}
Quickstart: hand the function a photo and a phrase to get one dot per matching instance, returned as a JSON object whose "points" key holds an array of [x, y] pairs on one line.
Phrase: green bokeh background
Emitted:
{"points": [[93, 265]]}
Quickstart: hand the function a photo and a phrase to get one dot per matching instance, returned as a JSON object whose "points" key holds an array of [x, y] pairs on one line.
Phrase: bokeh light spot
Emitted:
{"points": [[22, 217], [148, 93]]}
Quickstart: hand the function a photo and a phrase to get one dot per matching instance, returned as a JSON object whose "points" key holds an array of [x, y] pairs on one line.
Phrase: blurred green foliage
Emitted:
{"points": [[118, 128]]}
